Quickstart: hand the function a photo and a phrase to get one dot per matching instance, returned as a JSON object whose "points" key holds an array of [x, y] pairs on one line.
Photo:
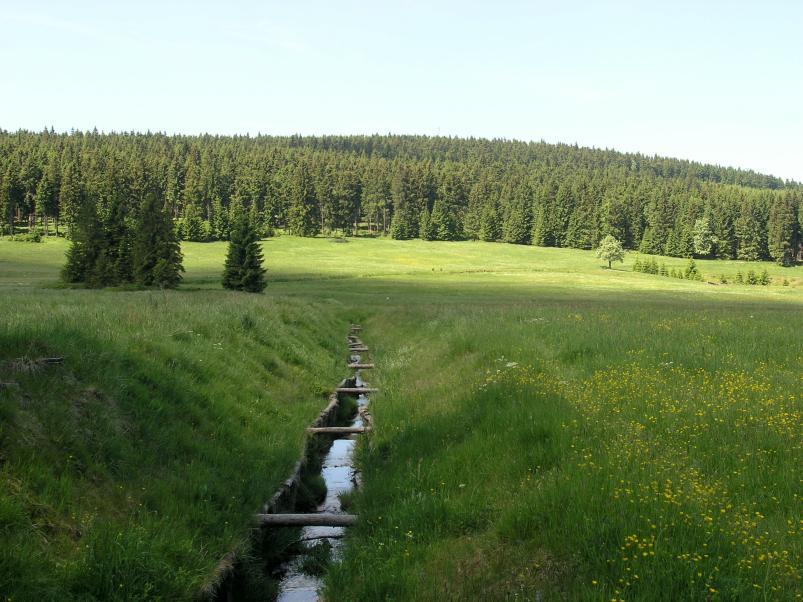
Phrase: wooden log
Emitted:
{"points": [[356, 327], [358, 348], [356, 390], [306, 520], [50, 360], [338, 430], [360, 366]]}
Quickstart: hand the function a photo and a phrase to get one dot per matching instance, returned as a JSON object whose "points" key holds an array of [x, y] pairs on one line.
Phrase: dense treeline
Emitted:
{"points": [[435, 188]]}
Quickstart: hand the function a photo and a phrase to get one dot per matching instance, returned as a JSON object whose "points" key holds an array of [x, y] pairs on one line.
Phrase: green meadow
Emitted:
{"points": [[545, 428]]}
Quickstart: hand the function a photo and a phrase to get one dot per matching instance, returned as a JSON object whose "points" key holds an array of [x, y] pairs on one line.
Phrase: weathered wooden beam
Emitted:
{"points": [[306, 520], [50, 360], [356, 327], [363, 348], [356, 390], [338, 430], [360, 366]]}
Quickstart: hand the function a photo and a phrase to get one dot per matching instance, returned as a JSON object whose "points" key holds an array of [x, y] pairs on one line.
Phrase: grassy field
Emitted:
{"points": [[546, 428]]}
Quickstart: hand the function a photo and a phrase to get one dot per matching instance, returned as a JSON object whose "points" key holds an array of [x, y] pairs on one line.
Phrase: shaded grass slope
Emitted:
{"points": [[129, 470]]}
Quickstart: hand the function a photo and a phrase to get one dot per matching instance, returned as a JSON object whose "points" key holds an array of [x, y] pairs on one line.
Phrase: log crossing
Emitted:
{"points": [[338, 430], [320, 519], [324, 519]]}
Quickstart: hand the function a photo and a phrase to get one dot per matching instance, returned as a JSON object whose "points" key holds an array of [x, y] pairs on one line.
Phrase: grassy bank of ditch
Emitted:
{"points": [[581, 447], [129, 470]]}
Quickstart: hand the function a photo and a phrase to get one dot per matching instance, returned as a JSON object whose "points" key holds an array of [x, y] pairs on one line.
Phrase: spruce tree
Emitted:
{"points": [[491, 222], [303, 210], [404, 224], [425, 230], [691, 272], [156, 255], [443, 222], [243, 268], [86, 245], [783, 231]]}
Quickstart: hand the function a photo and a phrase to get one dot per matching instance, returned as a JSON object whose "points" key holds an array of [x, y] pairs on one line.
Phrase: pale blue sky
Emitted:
{"points": [[714, 81]]}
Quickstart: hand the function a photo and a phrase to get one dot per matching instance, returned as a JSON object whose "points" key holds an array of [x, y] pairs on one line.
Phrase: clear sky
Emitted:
{"points": [[714, 81]]}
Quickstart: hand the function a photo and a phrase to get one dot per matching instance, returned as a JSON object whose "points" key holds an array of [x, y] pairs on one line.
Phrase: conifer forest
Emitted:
{"points": [[407, 187]]}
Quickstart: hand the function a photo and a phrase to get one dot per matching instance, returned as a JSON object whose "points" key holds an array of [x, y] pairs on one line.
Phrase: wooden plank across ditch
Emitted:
{"points": [[320, 519], [357, 390], [338, 430], [270, 517]]}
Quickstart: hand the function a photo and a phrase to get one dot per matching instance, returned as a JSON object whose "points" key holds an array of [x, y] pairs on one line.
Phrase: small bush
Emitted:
{"points": [[35, 236]]}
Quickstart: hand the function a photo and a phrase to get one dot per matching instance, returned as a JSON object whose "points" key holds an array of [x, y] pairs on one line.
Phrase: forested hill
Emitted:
{"points": [[407, 186]]}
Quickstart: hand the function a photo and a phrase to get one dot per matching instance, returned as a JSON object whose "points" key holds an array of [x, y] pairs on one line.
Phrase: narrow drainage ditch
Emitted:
{"points": [[288, 563]]}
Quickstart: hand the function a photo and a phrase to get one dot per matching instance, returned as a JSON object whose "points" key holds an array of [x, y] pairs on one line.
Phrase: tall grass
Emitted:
{"points": [[132, 468], [544, 428], [582, 449]]}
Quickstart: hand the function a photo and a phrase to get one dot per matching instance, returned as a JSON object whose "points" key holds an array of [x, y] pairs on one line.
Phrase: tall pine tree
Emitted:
{"points": [[243, 268], [156, 253]]}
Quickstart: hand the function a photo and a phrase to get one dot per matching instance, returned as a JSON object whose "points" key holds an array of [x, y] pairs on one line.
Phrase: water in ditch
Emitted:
{"points": [[340, 477]]}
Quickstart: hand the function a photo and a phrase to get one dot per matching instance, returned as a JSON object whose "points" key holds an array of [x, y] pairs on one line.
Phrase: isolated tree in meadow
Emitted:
{"points": [[692, 272], [156, 254], [243, 268], [610, 249]]}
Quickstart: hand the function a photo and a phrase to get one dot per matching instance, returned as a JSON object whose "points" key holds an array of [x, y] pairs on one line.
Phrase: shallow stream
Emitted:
{"points": [[340, 477]]}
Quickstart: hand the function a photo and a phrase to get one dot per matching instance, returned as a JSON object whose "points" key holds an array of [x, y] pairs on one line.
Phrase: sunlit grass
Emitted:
{"points": [[542, 423]]}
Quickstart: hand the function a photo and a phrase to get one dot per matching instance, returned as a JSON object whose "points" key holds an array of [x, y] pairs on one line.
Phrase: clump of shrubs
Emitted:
{"points": [[692, 272], [651, 266], [752, 278], [33, 236]]}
